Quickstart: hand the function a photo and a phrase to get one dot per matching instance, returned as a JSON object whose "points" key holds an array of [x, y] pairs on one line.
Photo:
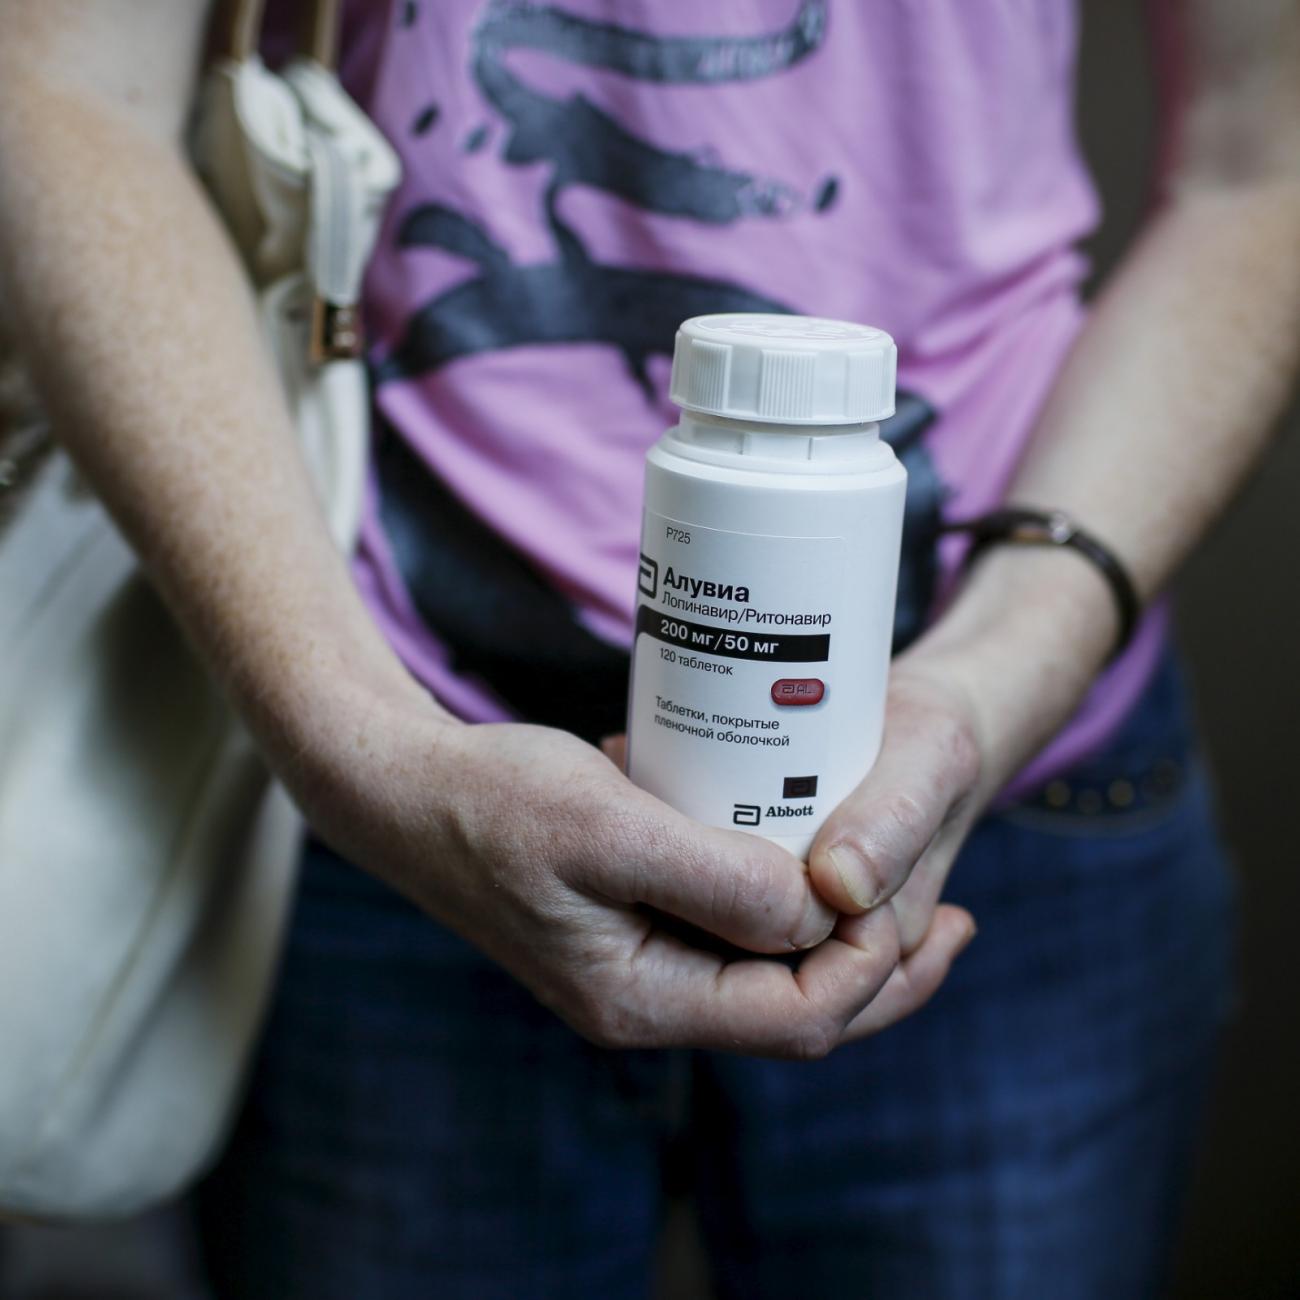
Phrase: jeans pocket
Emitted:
{"points": [[1149, 772]]}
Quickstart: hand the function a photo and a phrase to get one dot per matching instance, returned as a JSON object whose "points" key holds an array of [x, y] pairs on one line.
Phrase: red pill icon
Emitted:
{"points": [[798, 690]]}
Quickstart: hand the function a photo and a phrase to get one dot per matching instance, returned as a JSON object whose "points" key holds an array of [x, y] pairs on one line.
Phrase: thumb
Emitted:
{"points": [[869, 844], [737, 887]]}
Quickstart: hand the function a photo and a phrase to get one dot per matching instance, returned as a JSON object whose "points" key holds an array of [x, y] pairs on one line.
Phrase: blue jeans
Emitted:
{"points": [[419, 1126]]}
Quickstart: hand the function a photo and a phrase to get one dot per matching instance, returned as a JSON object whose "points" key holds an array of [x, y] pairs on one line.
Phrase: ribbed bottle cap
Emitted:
{"points": [[784, 369]]}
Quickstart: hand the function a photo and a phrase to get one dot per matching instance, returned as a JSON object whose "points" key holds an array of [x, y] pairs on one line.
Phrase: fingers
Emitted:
{"points": [[867, 846], [849, 986], [762, 1008], [615, 749], [918, 976], [914, 903], [743, 889]]}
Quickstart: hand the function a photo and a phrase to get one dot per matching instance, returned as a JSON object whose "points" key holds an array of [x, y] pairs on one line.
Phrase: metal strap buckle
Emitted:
{"points": [[336, 333]]}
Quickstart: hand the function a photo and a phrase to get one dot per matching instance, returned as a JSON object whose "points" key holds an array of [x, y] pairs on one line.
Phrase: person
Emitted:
{"points": [[539, 993]]}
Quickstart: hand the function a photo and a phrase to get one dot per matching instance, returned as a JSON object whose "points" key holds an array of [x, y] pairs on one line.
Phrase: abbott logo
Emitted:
{"points": [[746, 814], [648, 577]]}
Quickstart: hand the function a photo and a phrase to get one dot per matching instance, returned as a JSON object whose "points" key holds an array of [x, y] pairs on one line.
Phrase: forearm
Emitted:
{"points": [[143, 342], [1163, 407]]}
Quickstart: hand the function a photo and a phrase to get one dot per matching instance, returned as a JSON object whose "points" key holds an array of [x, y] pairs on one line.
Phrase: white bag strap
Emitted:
{"points": [[350, 172], [309, 175], [335, 253]]}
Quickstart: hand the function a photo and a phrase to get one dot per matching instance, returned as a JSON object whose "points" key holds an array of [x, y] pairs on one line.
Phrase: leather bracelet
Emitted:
{"points": [[1021, 526]]}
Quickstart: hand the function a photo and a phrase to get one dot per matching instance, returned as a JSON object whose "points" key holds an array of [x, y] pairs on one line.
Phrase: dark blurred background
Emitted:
{"points": [[1239, 621], [1238, 606]]}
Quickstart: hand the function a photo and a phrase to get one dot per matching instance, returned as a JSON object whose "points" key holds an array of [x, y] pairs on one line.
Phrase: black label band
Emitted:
{"points": [[729, 643]]}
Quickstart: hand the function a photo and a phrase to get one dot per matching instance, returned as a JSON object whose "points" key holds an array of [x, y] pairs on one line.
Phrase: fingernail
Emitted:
{"points": [[854, 876], [816, 923], [965, 943]]}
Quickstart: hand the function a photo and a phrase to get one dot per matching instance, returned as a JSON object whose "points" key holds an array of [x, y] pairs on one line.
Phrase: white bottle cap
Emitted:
{"points": [[784, 369]]}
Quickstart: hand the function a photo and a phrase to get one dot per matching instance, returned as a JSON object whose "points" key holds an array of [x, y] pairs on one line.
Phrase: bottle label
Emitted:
{"points": [[734, 677]]}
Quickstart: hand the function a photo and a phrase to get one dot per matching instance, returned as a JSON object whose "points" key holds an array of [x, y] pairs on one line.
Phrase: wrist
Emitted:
{"points": [[1021, 640], [1020, 526]]}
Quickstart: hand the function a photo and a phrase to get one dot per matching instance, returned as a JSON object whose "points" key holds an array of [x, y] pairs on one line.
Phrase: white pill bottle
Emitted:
{"points": [[769, 566]]}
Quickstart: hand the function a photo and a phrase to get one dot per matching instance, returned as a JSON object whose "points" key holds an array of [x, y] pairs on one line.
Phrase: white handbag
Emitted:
{"points": [[146, 855]]}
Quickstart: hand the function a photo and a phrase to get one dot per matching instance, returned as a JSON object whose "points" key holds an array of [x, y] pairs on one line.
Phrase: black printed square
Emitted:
{"points": [[799, 787]]}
